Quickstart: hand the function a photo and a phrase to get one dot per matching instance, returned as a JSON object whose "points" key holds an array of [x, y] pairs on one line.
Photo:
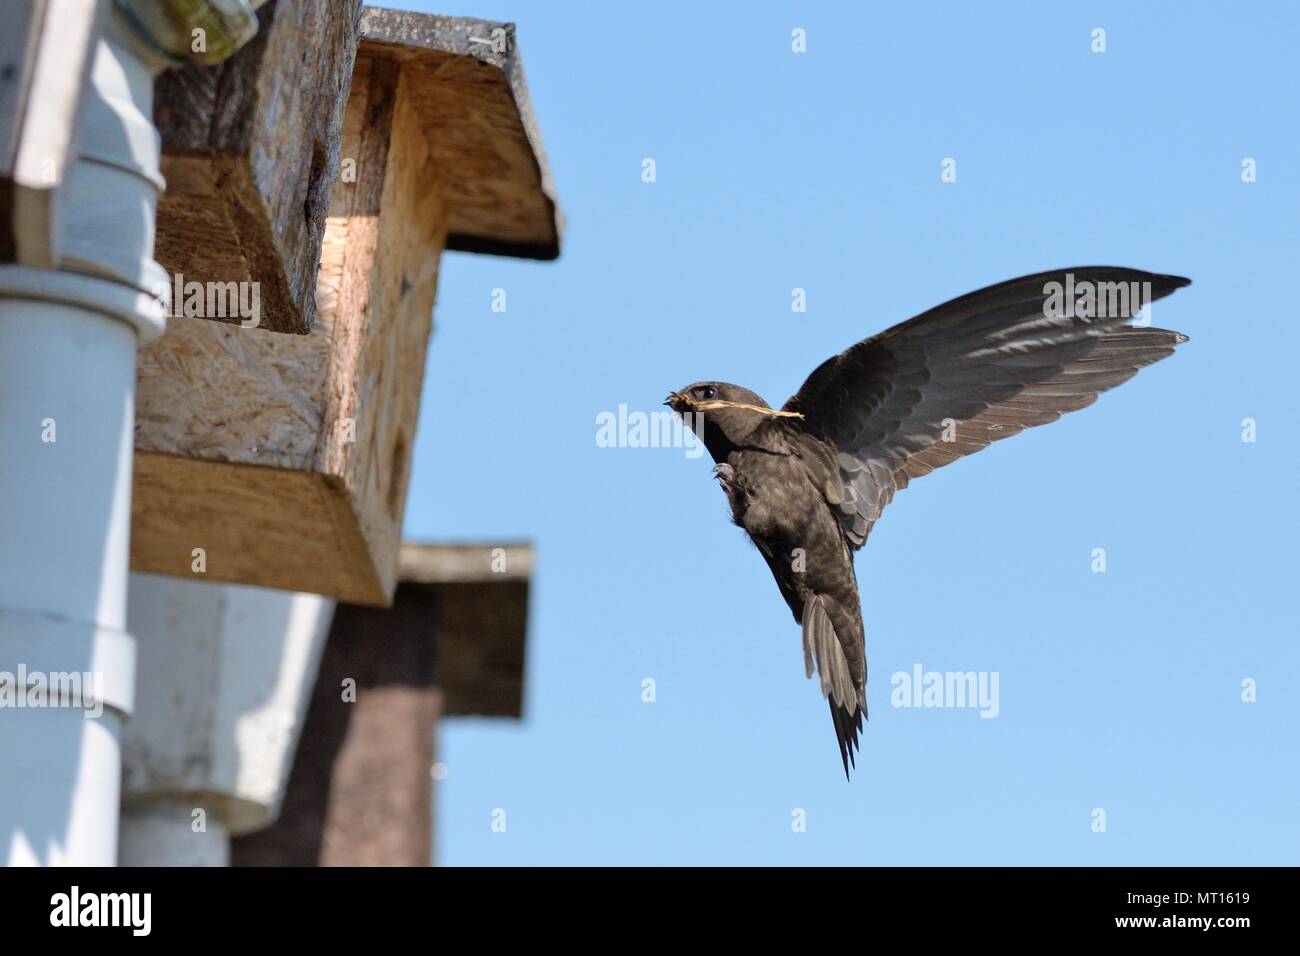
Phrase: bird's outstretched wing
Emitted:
{"points": [[967, 373]]}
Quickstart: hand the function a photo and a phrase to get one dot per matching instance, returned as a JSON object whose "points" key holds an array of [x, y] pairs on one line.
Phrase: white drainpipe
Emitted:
{"points": [[226, 676], [68, 340]]}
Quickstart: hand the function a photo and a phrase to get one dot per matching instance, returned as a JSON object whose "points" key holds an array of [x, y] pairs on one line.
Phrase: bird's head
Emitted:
{"points": [[722, 415]]}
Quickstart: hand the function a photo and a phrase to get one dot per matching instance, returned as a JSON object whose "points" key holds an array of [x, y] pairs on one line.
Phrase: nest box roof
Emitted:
{"points": [[467, 82]]}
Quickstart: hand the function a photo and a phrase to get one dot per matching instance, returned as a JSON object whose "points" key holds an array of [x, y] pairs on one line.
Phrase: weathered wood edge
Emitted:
{"points": [[298, 498], [465, 563], [220, 114], [442, 35], [477, 597]]}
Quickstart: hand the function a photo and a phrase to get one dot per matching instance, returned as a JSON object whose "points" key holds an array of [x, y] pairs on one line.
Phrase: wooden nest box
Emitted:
{"points": [[285, 457]]}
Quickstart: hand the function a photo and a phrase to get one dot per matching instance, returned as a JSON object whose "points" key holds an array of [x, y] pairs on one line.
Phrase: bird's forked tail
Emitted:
{"points": [[824, 652]]}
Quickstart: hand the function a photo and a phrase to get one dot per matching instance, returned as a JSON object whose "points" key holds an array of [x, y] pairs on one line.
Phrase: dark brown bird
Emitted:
{"points": [[808, 481]]}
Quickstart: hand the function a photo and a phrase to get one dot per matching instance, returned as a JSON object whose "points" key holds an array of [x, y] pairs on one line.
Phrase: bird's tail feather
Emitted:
{"points": [[822, 651]]}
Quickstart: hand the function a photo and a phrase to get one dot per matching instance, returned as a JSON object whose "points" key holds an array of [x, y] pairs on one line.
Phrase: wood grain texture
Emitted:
{"points": [[378, 281], [319, 428], [473, 103], [250, 152], [218, 392], [269, 527], [290, 455]]}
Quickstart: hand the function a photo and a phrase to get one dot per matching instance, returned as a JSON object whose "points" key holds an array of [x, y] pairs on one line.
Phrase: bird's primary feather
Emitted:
{"points": [[980, 368]]}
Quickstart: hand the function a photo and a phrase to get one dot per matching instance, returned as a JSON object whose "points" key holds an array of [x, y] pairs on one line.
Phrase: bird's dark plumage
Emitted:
{"points": [[807, 482]]}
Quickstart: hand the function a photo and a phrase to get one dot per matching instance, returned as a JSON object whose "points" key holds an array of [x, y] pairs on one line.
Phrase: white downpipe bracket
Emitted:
{"points": [[68, 339], [226, 674]]}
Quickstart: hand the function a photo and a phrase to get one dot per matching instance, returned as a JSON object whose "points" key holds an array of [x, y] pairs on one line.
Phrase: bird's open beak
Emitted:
{"points": [[674, 401]]}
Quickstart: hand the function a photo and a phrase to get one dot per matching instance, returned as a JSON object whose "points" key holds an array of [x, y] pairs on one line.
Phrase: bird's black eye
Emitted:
{"points": [[706, 392]]}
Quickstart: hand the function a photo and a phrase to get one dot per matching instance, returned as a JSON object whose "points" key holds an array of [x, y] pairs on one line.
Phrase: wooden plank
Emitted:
{"points": [[465, 563], [250, 154], [381, 276], [317, 429], [470, 93], [270, 527]]}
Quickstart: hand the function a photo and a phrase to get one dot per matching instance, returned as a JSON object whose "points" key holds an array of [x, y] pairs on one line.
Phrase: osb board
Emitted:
{"points": [[211, 395], [473, 102], [377, 287], [250, 152], [268, 527], [207, 390]]}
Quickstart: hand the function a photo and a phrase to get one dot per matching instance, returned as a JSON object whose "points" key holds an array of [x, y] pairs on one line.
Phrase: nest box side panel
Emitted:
{"points": [[377, 285], [250, 152]]}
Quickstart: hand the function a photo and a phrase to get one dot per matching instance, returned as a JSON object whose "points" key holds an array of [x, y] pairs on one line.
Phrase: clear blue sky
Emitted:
{"points": [[1119, 691]]}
